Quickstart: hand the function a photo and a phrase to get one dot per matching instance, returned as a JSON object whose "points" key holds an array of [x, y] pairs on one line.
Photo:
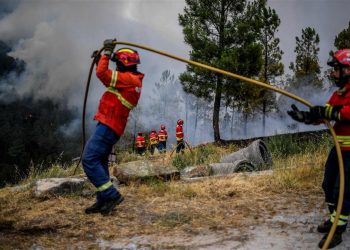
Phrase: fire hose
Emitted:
{"points": [[245, 79]]}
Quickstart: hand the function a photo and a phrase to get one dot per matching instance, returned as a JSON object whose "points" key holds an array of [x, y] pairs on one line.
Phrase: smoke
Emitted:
{"points": [[56, 38]]}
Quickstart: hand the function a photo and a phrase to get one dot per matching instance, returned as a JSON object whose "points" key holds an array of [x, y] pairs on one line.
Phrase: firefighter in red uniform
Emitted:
{"points": [[123, 92], [162, 138], [140, 144], [337, 109], [153, 141], [180, 147]]}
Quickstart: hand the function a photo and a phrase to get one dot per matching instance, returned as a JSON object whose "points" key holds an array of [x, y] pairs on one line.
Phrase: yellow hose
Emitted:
{"points": [[273, 88]]}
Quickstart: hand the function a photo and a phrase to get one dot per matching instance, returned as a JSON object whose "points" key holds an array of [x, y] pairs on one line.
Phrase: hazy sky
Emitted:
{"points": [[57, 37]]}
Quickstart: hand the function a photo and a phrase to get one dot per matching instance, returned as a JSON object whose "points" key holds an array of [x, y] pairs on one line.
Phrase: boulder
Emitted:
{"points": [[59, 186], [144, 169]]}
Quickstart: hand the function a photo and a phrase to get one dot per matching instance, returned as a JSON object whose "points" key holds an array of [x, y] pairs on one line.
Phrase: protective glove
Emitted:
{"points": [[109, 46], [96, 56], [300, 116], [328, 112]]}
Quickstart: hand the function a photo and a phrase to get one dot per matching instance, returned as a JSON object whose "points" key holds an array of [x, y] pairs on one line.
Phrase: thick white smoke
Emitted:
{"points": [[56, 38]]}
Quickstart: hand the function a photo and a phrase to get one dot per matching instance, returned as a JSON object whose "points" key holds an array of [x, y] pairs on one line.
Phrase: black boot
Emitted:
{"points": [[336, 240], [95, 208], [325, 227], [109, 205]]}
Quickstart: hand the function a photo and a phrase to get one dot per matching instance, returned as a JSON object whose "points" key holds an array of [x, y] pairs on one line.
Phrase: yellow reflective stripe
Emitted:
{"points": [[329, 110], [343, 137], [114, 79], [121, 98], [104, 186], [343, 219], [126, 50]]}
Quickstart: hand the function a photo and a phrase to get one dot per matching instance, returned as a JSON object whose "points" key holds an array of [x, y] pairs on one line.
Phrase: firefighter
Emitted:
{"points": [[162, 138], [337, 109], [153, 141], [180, 147], [140, 144], [122, 94]]}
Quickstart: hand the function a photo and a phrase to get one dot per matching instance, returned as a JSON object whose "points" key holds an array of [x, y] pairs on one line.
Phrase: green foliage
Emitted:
{"points": [[207, 154], [180, 161], [342, 40], [220, 35], [306, 67], [286, 145]]}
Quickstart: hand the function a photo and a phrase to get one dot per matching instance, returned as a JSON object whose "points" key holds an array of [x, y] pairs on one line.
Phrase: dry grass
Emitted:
{"points": [[162, 208]]}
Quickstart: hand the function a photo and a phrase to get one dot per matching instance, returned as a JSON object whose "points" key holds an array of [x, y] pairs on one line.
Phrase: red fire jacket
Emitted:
{"points": [[153, 138], [123, 93], [162, 135], [179, 133], [342, 127], [140, 141]]}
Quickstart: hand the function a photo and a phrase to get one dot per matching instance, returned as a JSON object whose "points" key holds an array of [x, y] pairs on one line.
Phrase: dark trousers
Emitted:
{"points": [[141, 150], [152, 147], [95, 160], [180, 146], [162, 146], [330, 183]]}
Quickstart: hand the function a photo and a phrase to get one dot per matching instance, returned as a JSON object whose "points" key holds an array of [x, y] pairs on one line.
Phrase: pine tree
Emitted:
{"points": [[267, 22], [342, 40], [220, 35], [306, 67]]}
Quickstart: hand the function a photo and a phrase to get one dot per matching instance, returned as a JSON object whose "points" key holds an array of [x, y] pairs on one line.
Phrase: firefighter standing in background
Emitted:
{"points": [[140, 144], [123, 92], [153, 141], [337, 109], [162, 138], [180, 147]]}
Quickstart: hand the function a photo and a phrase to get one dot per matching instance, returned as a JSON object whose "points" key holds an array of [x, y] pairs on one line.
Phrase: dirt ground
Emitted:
{"points": [[236, 212]]}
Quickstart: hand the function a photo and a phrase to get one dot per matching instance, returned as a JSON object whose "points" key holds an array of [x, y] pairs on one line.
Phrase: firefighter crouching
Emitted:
{"points": [[180, 147], [153, 141], [337, 109], [162, 138], [140, 144], [123, 92]]}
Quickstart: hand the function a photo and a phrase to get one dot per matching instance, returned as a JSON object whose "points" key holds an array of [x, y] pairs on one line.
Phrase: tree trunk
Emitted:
{"points": [[195, 123], [216, 112], [264, 118]]}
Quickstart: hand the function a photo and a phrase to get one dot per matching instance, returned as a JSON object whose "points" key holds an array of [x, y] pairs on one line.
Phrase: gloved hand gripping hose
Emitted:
{"points": [[252, 81]]}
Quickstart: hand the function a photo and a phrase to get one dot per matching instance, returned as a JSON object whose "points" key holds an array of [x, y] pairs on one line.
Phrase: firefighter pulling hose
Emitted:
{"points": [[252, 81]]}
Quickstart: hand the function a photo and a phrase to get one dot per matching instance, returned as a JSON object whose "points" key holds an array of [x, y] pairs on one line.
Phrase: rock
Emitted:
{"points": [[143, 170], [59, 186], [196, 171]]}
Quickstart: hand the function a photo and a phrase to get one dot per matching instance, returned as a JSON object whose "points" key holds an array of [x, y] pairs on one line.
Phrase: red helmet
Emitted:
{"points": [[341, 59], [126, 56], [162, 126], [180, 122]]}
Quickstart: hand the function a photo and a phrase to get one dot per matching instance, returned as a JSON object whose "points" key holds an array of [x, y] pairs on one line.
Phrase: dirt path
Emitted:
{"points": [[282, 232]]}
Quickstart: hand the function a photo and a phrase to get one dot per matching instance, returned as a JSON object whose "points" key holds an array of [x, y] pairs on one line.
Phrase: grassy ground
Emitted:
{"points": [[214, 204]]}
